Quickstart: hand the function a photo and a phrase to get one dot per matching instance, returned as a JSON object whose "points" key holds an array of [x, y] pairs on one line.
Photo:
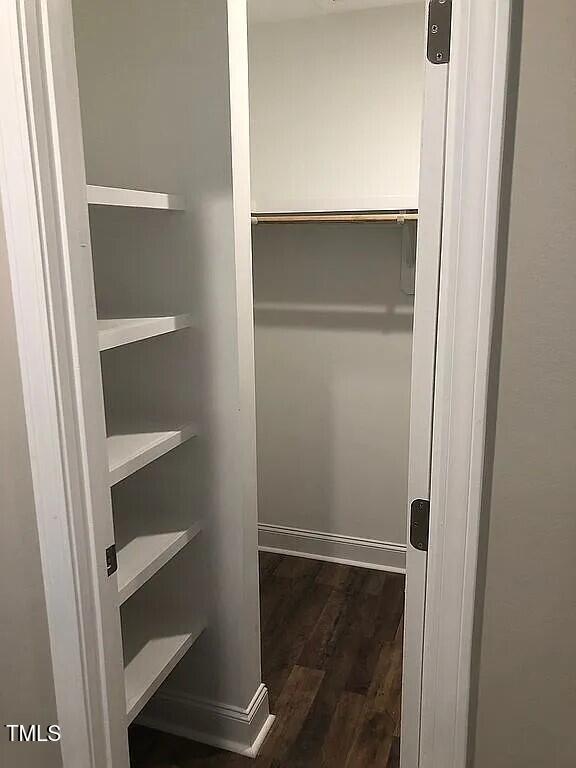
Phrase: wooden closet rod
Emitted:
{"points": [[398, 217]]}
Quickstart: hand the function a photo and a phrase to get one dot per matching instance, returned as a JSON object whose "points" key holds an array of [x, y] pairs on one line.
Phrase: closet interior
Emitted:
{"points": [[172, 306], [336, 96]]}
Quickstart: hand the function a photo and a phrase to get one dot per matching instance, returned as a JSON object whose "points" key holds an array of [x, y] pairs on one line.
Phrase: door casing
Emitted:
{"points": [[475, 122]]}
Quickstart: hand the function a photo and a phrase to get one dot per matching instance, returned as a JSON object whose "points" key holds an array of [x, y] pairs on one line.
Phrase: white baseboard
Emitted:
{"points": [[219, 725], [347, 550]]}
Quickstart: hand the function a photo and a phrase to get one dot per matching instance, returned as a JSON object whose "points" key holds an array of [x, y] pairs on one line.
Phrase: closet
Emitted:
{"points": [[147, 128]]}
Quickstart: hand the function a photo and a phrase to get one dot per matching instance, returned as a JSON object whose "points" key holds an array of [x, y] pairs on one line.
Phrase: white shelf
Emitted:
{"points": [[115, 333], [143, 556], [134, 198], [129, 453], [151, 665]]}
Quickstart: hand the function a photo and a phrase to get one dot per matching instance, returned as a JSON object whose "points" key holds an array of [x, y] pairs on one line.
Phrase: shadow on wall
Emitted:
{"points": [[330, 276], [333, 360]]}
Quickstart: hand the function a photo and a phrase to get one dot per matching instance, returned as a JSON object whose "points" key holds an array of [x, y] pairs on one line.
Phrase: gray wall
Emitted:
{"points": [[27, 690], [333, 363], [524, 714], [336, 108]]}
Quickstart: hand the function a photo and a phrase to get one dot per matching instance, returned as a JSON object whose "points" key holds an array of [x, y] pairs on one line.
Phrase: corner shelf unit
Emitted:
{"points": [[148, 536], [143, 269]]}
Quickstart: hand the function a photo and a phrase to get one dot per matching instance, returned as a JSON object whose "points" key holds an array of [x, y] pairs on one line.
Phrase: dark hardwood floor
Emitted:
{"points": [[332, 660]]}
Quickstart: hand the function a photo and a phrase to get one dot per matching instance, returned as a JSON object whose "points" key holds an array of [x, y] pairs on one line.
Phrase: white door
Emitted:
{"points": [[422, 390]]}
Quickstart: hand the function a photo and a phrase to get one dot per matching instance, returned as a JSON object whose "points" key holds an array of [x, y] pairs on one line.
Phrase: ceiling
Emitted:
{"points": [[277, 10]]}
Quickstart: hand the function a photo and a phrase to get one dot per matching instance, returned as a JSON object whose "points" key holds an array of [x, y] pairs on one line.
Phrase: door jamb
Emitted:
{"points": [[474, 153]]}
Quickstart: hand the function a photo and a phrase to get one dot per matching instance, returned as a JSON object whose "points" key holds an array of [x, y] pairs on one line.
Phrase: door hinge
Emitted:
{"points": [[439, 29], [419, 524], [111, 560]]}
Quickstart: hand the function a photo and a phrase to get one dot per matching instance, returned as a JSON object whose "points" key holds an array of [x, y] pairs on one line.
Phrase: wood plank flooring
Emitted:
{"points": [[332, 661]]}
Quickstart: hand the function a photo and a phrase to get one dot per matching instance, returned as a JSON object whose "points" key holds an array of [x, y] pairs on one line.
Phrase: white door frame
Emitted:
{"points": [[48, 245], [33, 218], [474, 152], [53, 478]]}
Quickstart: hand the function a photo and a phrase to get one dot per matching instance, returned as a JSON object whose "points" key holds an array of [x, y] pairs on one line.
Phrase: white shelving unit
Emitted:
{"points": [[155, 512], [134, 198], [148, 538], [119, 331], [157, 630], [129, 453]]}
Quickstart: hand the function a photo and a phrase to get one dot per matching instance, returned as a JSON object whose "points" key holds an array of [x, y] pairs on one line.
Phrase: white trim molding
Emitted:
{"points": [[235, 729], [474, 148], [28, 194], [346, 550]]}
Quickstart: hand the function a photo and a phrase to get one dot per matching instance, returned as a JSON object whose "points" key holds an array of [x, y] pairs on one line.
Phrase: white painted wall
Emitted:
{"points": [[335, 116], [335, 110], [276, 10], [333, 360]]}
